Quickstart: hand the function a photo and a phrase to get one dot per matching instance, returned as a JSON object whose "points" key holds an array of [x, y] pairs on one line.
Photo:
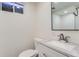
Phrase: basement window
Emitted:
{"points": [[18, 8], [0, 6], [7, 6]]}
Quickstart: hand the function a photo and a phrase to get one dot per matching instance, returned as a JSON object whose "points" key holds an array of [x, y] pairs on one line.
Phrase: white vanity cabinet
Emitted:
{"points": [[45, 51]]}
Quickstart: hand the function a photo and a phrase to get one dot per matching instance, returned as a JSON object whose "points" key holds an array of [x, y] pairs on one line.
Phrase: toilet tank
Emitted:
{"points": [[36, 42]]}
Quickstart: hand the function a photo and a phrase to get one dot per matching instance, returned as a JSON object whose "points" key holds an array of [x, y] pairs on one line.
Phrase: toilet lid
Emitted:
{"points": [[28, 53]]}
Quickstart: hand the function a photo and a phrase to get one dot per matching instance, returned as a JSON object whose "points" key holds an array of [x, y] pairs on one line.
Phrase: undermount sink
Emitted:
{"points": [[62, 45]]}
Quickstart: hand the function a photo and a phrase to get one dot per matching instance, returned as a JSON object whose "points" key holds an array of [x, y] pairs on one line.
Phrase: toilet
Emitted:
{"points": [[29, 53]]}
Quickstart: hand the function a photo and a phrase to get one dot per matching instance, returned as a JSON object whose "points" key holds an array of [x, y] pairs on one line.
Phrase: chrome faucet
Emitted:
{"points": [[61, 37]]}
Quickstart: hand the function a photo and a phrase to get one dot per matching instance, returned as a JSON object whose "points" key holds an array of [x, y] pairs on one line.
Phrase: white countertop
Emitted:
{"points": [[71, 53]]}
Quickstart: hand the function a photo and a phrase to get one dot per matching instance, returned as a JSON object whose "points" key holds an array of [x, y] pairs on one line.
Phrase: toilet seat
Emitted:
{"points": [[29, 53]]}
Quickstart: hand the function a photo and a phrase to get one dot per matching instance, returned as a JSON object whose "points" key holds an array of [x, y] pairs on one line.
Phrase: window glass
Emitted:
{"points": [[0, 6], [18, 8], [7, 6]]}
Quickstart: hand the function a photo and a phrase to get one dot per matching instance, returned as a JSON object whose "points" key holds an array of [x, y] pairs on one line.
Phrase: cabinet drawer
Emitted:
{"points": [[47, 52]]}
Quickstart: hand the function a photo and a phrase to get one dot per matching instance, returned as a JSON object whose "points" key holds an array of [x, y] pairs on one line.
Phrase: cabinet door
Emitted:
{"points": [[47, 52]]}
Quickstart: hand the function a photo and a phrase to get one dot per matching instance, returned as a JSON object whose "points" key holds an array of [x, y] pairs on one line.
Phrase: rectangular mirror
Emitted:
{"points": [[65, 16]]}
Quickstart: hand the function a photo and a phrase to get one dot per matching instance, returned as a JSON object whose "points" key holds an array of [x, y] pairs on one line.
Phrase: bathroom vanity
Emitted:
{"points": [[53, 48]]}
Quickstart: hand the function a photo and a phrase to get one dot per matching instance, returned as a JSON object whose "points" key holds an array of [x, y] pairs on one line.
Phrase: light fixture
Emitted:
{"points": [[65, 12]]}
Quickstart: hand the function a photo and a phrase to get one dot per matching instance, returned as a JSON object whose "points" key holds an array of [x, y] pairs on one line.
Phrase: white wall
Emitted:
{"points": [[44, 25], [16, 31]]}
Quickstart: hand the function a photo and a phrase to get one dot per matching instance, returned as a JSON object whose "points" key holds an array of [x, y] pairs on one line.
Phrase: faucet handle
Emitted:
{"points": [[60, 34]]}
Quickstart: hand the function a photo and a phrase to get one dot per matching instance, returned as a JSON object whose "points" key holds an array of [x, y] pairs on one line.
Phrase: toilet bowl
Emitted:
{"points": [[29, 53]]}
